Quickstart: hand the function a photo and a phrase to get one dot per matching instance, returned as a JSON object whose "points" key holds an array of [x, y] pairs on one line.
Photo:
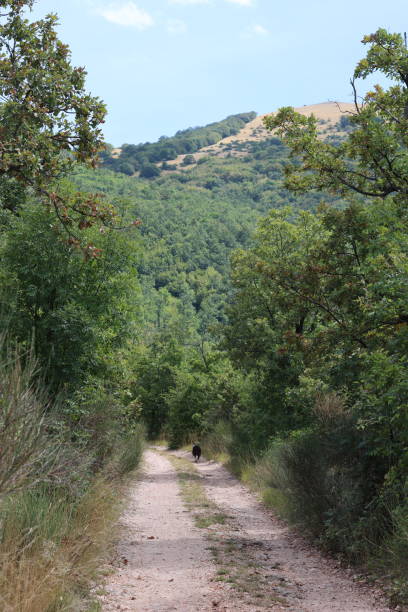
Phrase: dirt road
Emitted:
{"points": [[239, 558]]}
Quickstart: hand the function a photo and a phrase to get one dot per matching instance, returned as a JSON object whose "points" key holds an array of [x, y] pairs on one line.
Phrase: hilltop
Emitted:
{"points": [[329, 115], [228, 137]]}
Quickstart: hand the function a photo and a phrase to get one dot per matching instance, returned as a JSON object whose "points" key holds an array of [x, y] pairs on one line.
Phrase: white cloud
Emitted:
{"points": [[127, 14], [176, 26], [259, 30], [189, 2], [243, 2], [255, 30]]}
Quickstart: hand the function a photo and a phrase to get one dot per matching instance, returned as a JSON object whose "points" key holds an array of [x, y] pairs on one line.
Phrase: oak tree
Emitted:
{"points": [[373, 159], [48, 121]]}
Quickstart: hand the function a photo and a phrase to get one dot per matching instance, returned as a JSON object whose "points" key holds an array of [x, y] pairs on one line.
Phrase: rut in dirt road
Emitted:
{"points": [[164, 562]]}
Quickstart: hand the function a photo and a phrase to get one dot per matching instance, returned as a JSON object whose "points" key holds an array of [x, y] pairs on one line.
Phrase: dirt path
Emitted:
{"points": [[162, 557], [247, 561]]}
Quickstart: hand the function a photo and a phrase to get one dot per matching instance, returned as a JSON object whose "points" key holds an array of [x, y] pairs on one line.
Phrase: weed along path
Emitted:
{"points": [[194, 539]]}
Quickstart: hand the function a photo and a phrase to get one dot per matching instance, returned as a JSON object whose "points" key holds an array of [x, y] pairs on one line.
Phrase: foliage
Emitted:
{"points": [[188, 160], [324, 294], [185, 141], [204, 391], [75, 310], [148, 171], [373, 159], [48, 121]]}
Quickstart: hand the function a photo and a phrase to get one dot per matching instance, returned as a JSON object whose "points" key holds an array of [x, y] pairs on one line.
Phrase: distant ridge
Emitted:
{"points": [[251, 129]]}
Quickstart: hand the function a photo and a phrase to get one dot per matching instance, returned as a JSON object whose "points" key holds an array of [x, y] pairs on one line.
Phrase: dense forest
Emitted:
{"points": [[255, 301]]}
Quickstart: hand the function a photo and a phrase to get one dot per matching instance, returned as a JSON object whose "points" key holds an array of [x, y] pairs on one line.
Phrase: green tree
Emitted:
{"points": [[373, 159], [188, 160], [149, 171], [361, 271], [76, 311], [48, 121]]}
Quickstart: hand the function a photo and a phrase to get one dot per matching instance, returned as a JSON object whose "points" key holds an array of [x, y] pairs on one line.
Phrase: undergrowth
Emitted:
{"points": [[58, 502], [52, 543], [313, 481]]}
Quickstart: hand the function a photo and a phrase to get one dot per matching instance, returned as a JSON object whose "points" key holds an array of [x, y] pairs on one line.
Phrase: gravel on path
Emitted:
{"points": [[163, 559], [164, 563]]}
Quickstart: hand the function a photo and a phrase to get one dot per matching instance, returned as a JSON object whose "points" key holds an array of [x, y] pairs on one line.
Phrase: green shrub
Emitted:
{"points": [[188, 160], [93, 416], [331, 482], [149, 171]]}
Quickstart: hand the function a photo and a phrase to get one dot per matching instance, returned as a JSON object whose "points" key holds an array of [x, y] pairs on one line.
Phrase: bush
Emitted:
{"points": [[188, 160], [331, 482], [149, 171], [94, 419], [219, 442]]}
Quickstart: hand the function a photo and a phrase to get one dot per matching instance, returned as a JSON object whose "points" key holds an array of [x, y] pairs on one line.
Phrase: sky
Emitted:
{"points": [[165, 65]]}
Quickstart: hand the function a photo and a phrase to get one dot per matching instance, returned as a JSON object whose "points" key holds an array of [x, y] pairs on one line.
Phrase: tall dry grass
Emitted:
{"points": [[50, 550], [27, 455], [56, 517]]}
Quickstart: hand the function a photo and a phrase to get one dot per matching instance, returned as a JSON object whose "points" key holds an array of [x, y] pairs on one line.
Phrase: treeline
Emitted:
{"points": [[143, 157], [70, 302]]}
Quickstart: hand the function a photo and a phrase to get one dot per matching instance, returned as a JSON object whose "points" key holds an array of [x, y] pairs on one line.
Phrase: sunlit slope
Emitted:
{"points": [[328, 113]]}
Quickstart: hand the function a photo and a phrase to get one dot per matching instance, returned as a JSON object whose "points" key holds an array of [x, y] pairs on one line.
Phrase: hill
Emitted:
{"points": [[131, 158], [221, 139], [329, 115], [194, 216]]}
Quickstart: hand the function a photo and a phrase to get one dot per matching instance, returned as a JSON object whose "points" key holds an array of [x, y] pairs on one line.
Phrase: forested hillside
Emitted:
{"points": [[141, 157], [192, 221], [251, 294]]}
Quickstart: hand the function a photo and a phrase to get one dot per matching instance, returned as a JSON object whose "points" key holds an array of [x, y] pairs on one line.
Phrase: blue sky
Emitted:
{"points": [[164, 65]]}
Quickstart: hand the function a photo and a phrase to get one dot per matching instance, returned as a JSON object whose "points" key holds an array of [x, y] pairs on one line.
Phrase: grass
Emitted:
{"points": [[50, 551], [53, 542]]}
